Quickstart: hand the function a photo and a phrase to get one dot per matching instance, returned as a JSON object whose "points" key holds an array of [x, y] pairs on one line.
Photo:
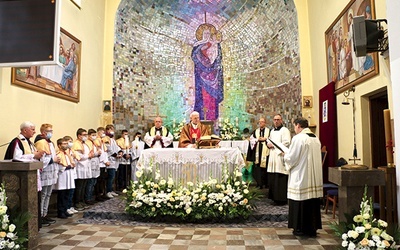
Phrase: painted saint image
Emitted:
{"points": [[209, 82]]}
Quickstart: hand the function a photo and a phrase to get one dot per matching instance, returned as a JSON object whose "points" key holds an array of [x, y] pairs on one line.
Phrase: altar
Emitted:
{"points": [[191, 165]]}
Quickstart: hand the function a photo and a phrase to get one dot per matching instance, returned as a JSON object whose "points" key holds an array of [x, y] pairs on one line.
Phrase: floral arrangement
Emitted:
{"points": [[8, 233], [152, 196], [228, 130], [365, 232], [176, 129]]}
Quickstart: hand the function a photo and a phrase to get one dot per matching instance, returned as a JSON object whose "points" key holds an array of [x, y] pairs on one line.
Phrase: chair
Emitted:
{"points": [[332, 195], [330, 190]]}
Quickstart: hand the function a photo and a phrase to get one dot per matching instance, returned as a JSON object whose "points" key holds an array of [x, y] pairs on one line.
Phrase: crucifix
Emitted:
{"points": [[205, 109]]}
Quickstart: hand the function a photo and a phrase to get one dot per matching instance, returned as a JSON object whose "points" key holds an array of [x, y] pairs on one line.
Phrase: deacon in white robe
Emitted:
{"points": [[305, 181], [277, 174]]}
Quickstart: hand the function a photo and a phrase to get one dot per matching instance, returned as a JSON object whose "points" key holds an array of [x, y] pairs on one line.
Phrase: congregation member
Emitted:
{"points": [[22, 149], [158, 136], [100, 188], [49, 173], [192, 131], [83, 155], [136, 150], [303, 161], [71, 192], [114, 154], [258, 153], [94, 166], [66, 181], [124, 161], [277, 174]]}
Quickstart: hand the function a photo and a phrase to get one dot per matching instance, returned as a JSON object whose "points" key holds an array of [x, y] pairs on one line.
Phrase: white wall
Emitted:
{"points": [[393, 18]]}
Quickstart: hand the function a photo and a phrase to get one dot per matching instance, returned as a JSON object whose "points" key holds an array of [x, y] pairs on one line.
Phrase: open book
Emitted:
{"points": [[279, 146], [209, 137], [208, 141]]}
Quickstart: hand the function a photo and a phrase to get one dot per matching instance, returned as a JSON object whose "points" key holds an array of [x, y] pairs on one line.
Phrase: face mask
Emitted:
{"points": [[93, 137], [49, 135], [65, 147], [103, 135], [70, 144], [84, 138]]}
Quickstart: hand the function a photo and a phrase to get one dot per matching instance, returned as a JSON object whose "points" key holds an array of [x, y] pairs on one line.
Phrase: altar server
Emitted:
{"points": [[49, 173], [66, 179], [83, 170]]}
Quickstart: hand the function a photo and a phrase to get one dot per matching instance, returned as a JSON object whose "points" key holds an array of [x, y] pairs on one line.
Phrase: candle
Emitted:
{"points": [[388, 137], [237, 121], [126, 141], [173, 123]]}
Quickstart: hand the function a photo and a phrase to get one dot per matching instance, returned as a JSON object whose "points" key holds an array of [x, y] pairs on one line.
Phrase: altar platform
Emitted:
{"points": [[191, 165]]}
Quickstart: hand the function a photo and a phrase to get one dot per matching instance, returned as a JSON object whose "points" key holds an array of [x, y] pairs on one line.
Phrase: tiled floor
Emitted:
{"points": [[68, 234]]}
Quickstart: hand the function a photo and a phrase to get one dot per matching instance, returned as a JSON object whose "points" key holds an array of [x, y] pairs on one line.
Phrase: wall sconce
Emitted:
{"points": [[347, 98]]}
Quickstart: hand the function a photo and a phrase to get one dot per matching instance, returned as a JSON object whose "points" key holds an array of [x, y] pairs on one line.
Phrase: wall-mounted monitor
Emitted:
{"points": [[29, 32]]}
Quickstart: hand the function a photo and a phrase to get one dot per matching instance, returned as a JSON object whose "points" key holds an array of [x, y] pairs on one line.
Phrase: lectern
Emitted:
{"points": [[20, 181], [351, 187]]}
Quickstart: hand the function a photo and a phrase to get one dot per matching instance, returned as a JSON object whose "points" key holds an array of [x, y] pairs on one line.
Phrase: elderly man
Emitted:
{"points": [[258, 153], [21, 148], [158, 136], [192, 131], [303, 161], [277, 174]]}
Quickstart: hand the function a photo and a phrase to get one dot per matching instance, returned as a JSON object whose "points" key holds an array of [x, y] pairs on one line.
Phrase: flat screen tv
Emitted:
{"points": [[29, 32]]}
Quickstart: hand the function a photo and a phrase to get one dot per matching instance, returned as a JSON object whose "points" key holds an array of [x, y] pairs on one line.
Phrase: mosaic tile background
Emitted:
{"points": [[154, 72]]}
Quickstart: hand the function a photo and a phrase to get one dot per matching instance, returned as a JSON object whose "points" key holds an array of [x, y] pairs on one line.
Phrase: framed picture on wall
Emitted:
{"points": [[107, 106], [56, 80], [343, 67], [307, 102]]}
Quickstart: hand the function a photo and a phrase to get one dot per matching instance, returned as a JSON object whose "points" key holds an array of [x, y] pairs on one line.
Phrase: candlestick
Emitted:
{"points": [[388, 137]]}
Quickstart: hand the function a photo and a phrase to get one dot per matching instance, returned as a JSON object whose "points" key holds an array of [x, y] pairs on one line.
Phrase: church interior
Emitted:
{"points": [[135, 60]]}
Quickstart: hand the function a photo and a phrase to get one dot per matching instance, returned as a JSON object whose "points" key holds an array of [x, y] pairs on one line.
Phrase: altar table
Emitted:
{"points": [[188, 164]]}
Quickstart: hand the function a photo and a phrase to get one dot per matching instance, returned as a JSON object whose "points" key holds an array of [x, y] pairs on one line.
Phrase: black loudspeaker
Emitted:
{"points": [[29, 32], [368, 36]]}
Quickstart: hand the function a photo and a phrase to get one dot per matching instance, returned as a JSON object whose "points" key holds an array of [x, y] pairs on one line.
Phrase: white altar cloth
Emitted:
{"points": [[187, 164]]}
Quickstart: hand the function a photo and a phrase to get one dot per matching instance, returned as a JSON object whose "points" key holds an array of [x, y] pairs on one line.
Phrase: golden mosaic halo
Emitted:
{"points": [[202, 27]]}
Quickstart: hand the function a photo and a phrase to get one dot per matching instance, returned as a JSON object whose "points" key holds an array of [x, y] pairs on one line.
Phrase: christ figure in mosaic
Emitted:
{"points": [[209, 82]]}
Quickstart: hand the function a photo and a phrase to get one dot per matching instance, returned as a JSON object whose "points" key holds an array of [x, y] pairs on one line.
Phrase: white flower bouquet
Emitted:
{"points": [[8, 233], [365, 232], [228, 130], [177, 128], [153, 197]]}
